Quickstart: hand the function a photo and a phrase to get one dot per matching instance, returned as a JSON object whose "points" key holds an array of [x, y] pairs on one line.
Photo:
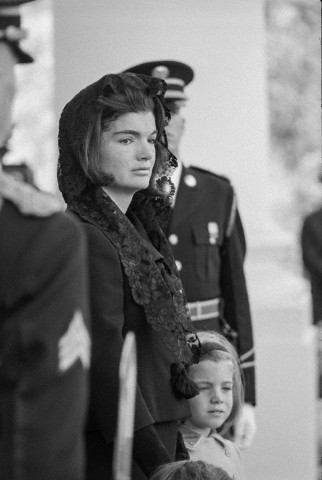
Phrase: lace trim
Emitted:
{"points": [[157, 288]]}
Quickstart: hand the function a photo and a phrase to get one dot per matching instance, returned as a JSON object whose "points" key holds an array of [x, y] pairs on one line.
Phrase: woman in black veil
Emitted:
{"points": [[114, 173]]}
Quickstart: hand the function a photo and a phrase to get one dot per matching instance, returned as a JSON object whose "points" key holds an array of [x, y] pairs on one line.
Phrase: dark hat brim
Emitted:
{"points": [[14, 3], [176, 69], [176, 74]]}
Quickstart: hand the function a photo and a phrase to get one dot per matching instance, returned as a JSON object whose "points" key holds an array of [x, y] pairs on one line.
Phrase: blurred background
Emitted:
{"points": [[292, 49], [253, 115]]}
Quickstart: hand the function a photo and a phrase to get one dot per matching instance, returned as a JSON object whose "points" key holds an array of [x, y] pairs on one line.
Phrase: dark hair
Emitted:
{"points": [[190, 470], [131, 98], [216, 347]]}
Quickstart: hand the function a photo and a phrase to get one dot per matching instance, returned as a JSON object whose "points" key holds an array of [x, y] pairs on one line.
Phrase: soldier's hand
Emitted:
{"points": [[245, 427]]}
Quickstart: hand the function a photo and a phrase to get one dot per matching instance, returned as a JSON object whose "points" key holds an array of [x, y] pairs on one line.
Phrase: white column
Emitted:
{"points": [[227, 131]]}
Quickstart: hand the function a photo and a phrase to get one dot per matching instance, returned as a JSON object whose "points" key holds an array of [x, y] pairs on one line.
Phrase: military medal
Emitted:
{"points": [[213, 231]]}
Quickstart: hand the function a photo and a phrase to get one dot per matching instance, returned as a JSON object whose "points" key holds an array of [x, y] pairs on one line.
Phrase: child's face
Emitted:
{"points": [[211, 408]]}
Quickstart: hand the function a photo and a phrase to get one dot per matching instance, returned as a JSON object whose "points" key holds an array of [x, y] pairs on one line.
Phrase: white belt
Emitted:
{"points": [[205, 309]]}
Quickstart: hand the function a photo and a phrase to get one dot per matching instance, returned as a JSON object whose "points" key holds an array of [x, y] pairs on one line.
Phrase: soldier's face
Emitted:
{"points": [[7, 90], [175, 130]]}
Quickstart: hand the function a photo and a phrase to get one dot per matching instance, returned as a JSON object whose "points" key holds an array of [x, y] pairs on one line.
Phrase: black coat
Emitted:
{"points": [[114, 312], [44, 346], [213, 270]]}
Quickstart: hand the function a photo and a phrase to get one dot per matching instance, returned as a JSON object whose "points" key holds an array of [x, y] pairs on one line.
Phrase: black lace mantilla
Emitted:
{"points": [[80, 114], [157, 289]]}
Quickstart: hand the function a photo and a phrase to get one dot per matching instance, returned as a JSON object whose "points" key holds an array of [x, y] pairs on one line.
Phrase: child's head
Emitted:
{"points": [[217, 375], [189, 470]]}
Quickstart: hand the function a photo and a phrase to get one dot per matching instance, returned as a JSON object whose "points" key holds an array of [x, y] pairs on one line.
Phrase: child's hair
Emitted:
{"points": [[190, 470], [216, 347]]}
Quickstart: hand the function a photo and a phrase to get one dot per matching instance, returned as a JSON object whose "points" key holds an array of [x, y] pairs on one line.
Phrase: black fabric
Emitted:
{"points": [[154, 286], [144, 452], [311, 243], [43, 282], [181, 451], [134, 283], [114, 313]]}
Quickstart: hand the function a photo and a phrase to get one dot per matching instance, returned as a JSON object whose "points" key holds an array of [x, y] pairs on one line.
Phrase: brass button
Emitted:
{"points": [[190, 180], [173, 239], [179, 265]]}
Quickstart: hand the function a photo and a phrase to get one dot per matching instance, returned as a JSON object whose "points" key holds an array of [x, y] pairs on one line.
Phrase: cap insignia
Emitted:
{"points": [[160, 72], [13, 34]]}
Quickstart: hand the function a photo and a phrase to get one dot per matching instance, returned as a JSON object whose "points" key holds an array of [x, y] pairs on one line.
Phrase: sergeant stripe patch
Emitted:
{"points": [[74, 344]]}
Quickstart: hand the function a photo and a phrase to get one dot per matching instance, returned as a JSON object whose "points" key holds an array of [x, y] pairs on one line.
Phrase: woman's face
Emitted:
{"points": [[127, 152]]}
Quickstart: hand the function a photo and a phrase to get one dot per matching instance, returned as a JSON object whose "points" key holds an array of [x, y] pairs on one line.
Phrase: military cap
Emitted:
{"points": [[10, 28], [13, 3], [176, 74]]}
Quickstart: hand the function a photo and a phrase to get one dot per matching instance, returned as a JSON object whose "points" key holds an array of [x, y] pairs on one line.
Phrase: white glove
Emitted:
{"points": [[245, 427]]}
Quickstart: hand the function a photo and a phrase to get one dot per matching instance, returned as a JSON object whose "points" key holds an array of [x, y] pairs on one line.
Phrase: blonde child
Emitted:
{"points": [[189, 470], [217, 375]]}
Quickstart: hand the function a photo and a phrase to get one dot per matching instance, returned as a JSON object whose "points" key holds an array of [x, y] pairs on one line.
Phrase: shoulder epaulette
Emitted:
{"points": [[232, 217], [209, 172]]}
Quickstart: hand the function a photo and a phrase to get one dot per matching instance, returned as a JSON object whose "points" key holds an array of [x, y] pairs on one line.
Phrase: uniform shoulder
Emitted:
{"points": [[208, 173], [312, 223], [212, 181], [315, 216]]}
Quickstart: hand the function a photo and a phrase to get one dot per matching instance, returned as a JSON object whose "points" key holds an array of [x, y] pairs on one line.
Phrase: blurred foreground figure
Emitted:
{"points": [[208, 243], [44, 341], [188, 470], [311, 242]]}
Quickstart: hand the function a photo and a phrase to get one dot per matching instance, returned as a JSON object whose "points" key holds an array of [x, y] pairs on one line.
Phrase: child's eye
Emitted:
{"points": [[152, 140], [228, 388], [203, 388]]}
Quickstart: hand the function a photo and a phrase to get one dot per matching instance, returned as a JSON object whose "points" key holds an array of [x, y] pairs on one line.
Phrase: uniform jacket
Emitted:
{"points": [[44, 346], [208, 243]]}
